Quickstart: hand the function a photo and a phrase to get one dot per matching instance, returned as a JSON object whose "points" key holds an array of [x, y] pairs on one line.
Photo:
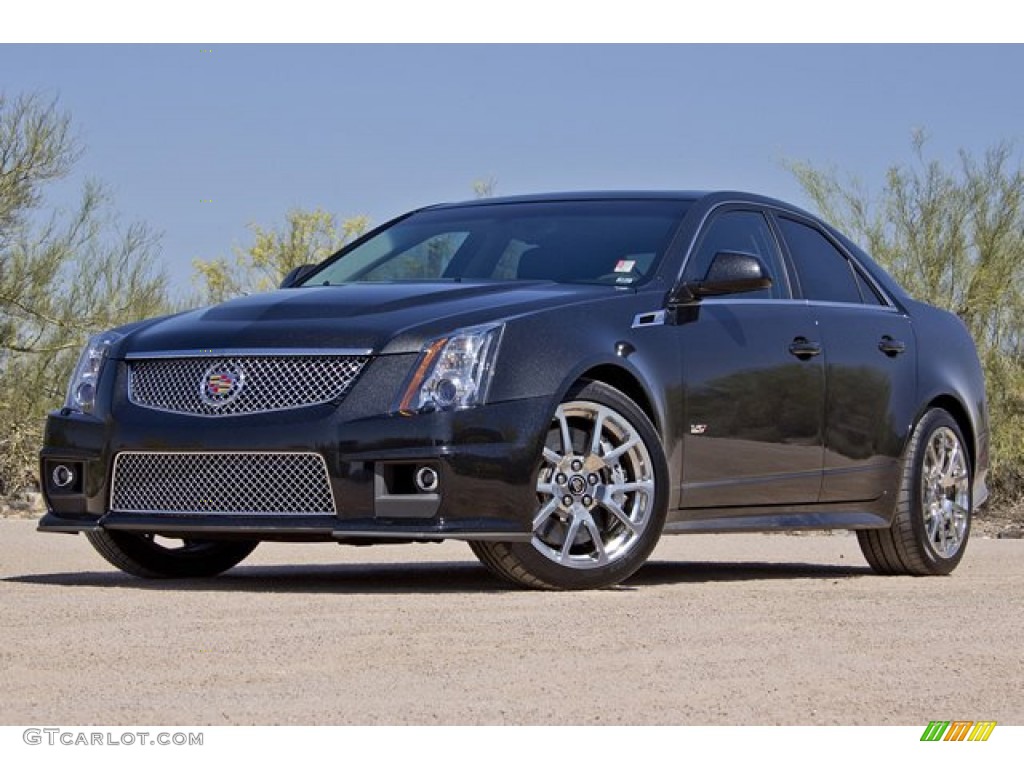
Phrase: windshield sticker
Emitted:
{"points": [[625, 265]]}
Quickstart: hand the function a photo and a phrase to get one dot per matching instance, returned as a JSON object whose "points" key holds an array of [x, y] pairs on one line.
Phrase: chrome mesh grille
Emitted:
{"points": [[221, 484], [257, 384]]}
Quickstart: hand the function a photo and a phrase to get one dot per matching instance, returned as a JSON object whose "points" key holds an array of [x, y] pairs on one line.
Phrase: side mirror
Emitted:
{"points": [[296, 275], [730, 272]]}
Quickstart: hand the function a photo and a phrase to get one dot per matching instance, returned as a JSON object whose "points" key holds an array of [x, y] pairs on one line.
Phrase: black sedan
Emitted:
{"points": [[556, 379]]}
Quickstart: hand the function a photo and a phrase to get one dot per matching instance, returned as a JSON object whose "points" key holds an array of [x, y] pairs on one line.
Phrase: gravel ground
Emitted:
{"points": [[732, 629]]}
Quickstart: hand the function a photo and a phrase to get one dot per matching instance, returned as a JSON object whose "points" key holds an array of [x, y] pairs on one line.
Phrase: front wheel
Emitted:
{"points": [[602, 497], [932, 523], [151, 557]]}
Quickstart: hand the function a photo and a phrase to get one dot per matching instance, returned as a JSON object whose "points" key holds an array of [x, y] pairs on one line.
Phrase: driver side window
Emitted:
{"points": [[740, 232]]}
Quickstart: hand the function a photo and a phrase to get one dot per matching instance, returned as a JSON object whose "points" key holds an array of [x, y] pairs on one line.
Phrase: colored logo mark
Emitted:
{"points": [[220, 384], [958, 730]]}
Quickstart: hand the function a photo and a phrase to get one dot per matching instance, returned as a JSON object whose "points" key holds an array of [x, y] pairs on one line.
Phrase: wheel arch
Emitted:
{"points": [[631, 379], [628, 384], [961, 416]]}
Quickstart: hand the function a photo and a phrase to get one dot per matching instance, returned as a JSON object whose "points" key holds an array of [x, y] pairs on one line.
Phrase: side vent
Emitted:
{"points": [[645, 319]]}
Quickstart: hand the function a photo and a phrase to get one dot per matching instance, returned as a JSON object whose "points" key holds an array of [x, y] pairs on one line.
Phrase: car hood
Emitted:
{"points": [[387, 318]]}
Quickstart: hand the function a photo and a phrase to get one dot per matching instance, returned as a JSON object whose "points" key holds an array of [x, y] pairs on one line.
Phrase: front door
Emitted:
{"points": [[755, 383]]}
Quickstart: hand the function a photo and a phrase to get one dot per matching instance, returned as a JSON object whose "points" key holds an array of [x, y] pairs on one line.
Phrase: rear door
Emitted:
{"points": [[870, 364]]}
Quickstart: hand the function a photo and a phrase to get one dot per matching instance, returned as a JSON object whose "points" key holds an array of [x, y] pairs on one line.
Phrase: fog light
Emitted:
{"points": [[62, 476], [426, 479]]}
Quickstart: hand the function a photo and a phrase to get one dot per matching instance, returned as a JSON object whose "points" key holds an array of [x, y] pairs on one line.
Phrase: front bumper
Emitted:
{"points": [[485, 458]]}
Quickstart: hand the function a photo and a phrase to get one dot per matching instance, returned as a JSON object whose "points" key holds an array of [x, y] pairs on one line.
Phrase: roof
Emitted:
{"points": [[629, 194], [582, 195]]}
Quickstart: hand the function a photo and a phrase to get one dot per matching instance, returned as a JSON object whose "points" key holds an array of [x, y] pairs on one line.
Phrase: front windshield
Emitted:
{"points": [[613, 242]]}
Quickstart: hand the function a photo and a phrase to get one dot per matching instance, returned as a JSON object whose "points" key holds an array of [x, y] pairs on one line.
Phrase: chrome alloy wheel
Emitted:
{"points": [[945, 492], [595, 486]]}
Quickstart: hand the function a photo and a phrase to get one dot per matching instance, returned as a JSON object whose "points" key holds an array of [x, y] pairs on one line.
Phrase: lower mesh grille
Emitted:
{"points": [[221, 484]]}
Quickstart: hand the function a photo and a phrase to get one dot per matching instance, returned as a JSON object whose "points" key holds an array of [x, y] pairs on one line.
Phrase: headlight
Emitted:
{"points": [[453, 371], [82, 389]]}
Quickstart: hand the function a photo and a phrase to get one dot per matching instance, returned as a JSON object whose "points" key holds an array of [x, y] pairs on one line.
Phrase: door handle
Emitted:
{"points": [[892, 347], [804, 349]]}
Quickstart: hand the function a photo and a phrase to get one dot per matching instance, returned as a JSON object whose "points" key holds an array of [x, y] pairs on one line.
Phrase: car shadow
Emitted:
{"points": [[427, 578], [657, 572]]}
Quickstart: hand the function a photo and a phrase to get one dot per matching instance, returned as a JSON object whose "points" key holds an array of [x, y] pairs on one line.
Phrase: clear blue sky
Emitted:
{"points": [[380, 129]]}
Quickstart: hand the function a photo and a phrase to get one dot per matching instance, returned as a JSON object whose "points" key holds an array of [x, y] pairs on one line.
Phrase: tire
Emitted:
{"points": [[143, 555], [932, 522], [602, 490]]}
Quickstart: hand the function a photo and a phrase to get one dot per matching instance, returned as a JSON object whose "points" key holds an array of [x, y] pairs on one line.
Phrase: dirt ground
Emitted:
{"points": [[730, 629]]}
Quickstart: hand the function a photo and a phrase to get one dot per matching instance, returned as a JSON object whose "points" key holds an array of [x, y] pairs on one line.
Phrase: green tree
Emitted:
{"points": [[952, 235], [62, 276], [484, 188], [307, 237]]}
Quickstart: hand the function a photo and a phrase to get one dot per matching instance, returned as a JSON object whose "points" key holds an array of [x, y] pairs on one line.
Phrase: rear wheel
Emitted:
{"points": [[929, 532], [601, 497], [153, 557]]}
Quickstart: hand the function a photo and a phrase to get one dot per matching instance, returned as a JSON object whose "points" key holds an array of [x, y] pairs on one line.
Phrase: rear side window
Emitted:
{"points": [[867, 292], [824, 273]]}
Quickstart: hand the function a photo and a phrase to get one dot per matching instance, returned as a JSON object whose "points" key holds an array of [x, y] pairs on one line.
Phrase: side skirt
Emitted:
{"points": [[809, 521]]}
